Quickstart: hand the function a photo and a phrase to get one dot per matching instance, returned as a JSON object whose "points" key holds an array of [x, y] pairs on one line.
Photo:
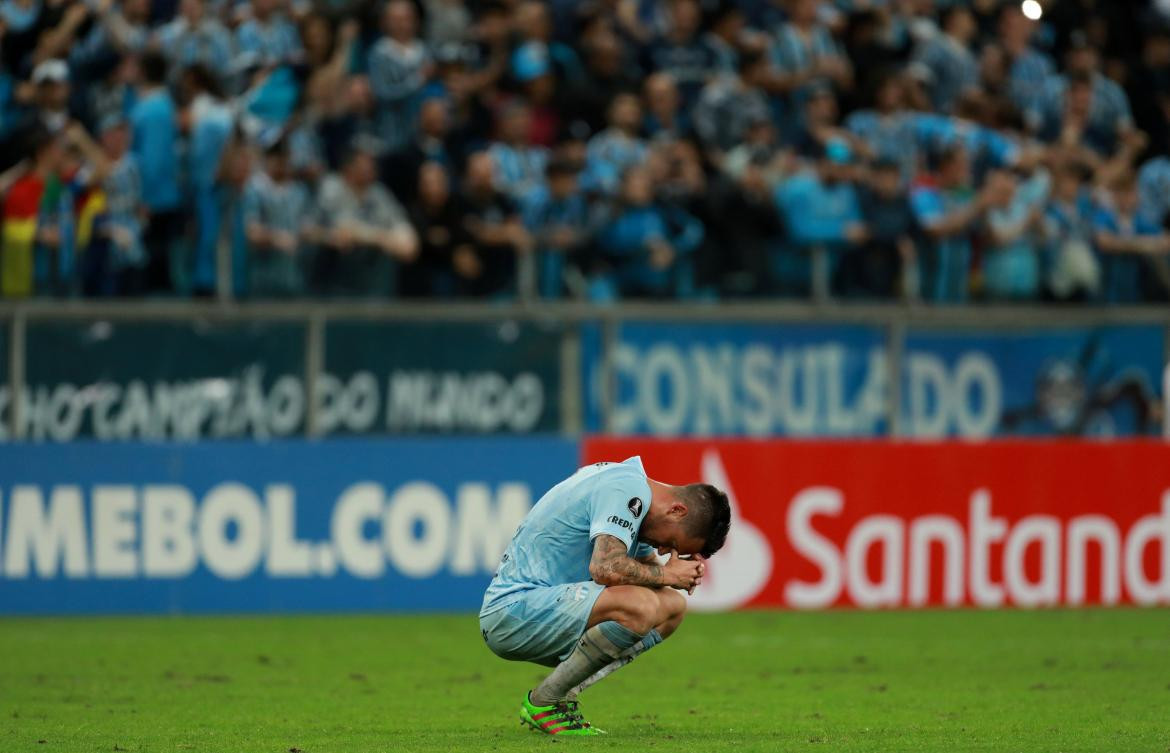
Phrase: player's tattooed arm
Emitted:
{"points": [[611, 565]]}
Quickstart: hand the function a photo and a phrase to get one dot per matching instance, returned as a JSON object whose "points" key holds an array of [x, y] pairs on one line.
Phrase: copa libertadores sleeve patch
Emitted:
{"points": [[635, 506]]}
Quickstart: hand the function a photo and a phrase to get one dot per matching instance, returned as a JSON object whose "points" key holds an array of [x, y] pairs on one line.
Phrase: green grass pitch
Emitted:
{"points": [[753, 681]]}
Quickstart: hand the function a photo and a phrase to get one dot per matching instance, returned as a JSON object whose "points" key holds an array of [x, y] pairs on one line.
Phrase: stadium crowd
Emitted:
{"points": [[939, 150]]}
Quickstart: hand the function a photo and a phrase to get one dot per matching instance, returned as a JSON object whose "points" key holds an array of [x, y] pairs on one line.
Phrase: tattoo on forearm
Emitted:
{"points": [[611, 565]]}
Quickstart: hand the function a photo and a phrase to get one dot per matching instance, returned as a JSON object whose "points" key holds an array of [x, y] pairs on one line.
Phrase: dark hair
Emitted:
{"points": [[204, 80], [561, 166], [37, 139], [1080, 78], [708, 515], [945, 154], [278, 148], [154, 67], [750, 59], [948, 14]]}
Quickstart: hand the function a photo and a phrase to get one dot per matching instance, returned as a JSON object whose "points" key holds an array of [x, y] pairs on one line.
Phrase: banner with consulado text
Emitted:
{"points": [[880, 524], [672, 379]]}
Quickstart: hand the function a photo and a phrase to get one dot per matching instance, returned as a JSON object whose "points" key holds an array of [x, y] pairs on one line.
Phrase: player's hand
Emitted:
{"points": [[685, 575], [702, 568]]}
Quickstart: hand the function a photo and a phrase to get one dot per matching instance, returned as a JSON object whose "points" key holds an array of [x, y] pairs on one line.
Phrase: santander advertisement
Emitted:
{"points": [[869, 524]]}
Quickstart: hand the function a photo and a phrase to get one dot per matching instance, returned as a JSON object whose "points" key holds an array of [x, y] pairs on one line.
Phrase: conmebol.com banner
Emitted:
{"points": [[287, 526], [877, 524]]}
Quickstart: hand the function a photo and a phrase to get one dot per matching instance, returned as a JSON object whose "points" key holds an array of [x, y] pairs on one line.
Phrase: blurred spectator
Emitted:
{"points": [[24, 21], [1012, 260], [438, 221], [208, 120], [727, 31], [607, 75], [665, 117], [124, 214], [519, 166], [276, 208], [196, 37], [154, 142], [805, 51], [399, 170], [1027, 70], [1154, 190], [645, 256], [618, 147], [819, 123], [731, 104], [559, 219], [468, 92], [268, 38], [760, 149], [876, 40], [362, 232], [1083, 106], [24, 194], [540, 87], [327, 55], [1127, 242], [399, 64], [117, 29], [1074, 272], [887, 131], [949, 208], [748, 223], [306, 152], [946, 62], [686, 198], [57, 41], [1148, 88], [538, 52], [45, 102], [114, 94], [352, 117], [493, 223], [446, 21], [42, 233], [879, 267], [681, 51], [822, 214]]}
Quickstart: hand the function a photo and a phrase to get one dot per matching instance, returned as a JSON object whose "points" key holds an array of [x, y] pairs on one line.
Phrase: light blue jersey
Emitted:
{"points": [[554, 543], [539, 603]]}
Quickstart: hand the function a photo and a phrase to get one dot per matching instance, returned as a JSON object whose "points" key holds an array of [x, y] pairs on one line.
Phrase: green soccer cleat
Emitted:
{"points": [[561, 718]]}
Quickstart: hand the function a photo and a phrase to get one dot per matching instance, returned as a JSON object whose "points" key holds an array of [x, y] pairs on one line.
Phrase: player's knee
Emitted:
{"points": [[672, 603], [638, 611]]}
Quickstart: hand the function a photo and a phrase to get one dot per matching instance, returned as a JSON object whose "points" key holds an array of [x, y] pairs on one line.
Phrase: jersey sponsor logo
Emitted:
{"points": [[620, 522], [635, 506]]}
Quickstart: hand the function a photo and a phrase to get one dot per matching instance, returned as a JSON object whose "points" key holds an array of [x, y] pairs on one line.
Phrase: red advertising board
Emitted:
{"points": [[874, 524]]}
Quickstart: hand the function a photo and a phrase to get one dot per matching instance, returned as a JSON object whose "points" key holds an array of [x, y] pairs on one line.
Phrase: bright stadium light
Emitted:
{"points": [[1032, 10]]}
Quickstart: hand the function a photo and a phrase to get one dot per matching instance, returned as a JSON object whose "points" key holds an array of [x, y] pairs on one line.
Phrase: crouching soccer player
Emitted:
{"points": [[579, 587]]}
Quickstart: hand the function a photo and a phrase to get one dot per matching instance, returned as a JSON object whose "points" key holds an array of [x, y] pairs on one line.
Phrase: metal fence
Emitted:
{"points": [[893, 319]]}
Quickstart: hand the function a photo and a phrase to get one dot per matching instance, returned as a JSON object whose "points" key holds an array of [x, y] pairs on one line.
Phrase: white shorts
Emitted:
{"points": [[541, 624]]}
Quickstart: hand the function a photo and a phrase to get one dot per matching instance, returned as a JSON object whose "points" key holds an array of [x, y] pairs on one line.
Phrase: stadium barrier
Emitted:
{"points": [[345, 525], [419, 524], [176, 370]]}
